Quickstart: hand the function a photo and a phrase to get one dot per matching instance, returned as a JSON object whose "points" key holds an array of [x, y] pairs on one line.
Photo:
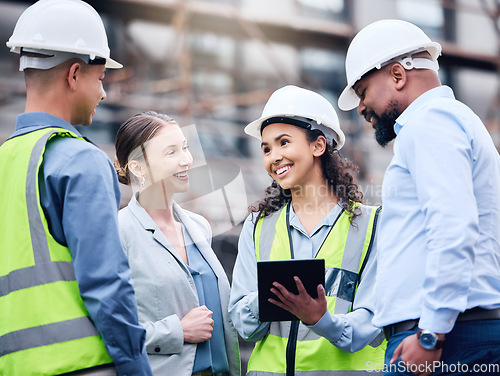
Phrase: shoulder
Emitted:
{"points": [[441, 117], [368, 209], [129, 228], [75, 155], [71, 146], [125, 216]]}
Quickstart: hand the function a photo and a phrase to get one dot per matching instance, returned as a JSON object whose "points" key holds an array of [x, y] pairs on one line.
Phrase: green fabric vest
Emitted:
{"points": [[344, 251], [45, 328]]}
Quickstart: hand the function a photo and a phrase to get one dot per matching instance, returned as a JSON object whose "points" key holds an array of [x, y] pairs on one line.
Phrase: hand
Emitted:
{"points": [[197, 325], [418, 360], [307, 309]]}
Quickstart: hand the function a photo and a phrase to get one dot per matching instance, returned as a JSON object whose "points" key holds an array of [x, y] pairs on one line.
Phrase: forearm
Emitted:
{"points": [[244, 301], [350, 332], [164, 336], [244, 313], [101, 267]]}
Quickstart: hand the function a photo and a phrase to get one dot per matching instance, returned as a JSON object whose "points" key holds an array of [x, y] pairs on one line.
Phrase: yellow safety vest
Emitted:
{"points": [[344, 250], [45, 328]]}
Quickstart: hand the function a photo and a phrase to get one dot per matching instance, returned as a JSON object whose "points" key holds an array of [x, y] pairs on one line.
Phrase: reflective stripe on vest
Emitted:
{"points": [[344, 250], [317, 373], [40, 304]]}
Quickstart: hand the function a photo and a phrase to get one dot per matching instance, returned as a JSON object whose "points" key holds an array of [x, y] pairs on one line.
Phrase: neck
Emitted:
{"points": [[424, 81], [157, 203], [315, 200], [48, 104]]}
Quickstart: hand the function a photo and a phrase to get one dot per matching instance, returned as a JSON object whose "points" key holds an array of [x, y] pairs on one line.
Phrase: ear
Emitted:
{"points": [[74, 72], [398, 76], [319, 146], [136, 168]]}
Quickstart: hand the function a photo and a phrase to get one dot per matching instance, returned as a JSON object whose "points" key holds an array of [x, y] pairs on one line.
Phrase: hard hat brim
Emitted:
{"points": [[113, 64], [253, 128], [348, 99]]}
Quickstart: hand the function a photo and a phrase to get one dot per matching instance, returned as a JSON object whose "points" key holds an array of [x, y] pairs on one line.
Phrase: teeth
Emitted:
{"points": [[181, 174], [281, 170]]}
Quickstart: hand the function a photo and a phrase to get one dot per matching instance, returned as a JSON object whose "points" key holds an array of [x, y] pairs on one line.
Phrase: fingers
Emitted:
{"points": [[321, 292], [203, 308], [397, 353], [300, 286], [282, 294], [278, 303]]}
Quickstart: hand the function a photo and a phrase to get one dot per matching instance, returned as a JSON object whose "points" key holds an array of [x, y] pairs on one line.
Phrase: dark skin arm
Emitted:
{"points": [[412, 353], [302, 305]]}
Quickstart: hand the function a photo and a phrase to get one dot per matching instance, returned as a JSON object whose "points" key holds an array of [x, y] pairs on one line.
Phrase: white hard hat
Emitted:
{"points": [[67, 26], [380, 42], [292, 102]]}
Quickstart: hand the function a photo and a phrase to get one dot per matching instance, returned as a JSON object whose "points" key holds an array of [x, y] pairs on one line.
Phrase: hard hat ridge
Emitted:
{"points": [[69, 26], [294, 104], [379, 43]]}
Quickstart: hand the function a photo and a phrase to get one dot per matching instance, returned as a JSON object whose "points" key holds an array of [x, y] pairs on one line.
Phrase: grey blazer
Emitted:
{"points": [[165, 290]]}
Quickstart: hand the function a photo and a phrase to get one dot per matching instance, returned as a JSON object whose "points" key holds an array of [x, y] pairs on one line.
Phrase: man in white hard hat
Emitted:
{"points": [[437, 287], [67, 305]]}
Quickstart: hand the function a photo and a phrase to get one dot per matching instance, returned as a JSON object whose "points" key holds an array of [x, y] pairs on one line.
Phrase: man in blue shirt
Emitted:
{"points": [[438, 252], [93, 328]]}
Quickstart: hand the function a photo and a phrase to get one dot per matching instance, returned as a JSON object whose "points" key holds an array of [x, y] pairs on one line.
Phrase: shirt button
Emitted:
{"points": [[157, 349]]}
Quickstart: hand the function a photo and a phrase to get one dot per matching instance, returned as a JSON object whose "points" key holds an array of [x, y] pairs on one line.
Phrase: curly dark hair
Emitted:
{"points": [[337, 172]]}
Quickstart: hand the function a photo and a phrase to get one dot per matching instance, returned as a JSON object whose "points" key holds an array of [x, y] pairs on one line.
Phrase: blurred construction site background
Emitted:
{"points": [[212, 64]]}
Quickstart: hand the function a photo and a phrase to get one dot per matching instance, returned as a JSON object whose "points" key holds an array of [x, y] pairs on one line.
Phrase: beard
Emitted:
{"points": [[384, 124]]}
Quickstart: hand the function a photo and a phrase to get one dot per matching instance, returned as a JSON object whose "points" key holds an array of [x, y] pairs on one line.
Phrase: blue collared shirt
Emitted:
{"points": [[80, 196], [439, 234], [350, 332], [210, 354]]}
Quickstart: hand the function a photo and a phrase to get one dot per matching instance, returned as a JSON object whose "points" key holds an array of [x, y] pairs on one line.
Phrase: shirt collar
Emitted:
{"points": [[141, 214], [328, 220], [429, 96], [32, 121]]}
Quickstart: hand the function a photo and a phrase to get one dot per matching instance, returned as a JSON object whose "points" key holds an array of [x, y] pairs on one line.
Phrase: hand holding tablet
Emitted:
{"points": [[300, 296]]}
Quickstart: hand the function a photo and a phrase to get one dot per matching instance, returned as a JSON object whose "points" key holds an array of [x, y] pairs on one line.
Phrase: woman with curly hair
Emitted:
{"points": [[312, 209]]}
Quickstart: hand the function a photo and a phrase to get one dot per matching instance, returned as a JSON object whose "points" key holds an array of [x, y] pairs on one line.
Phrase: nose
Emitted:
{"points": [[187, 159], [103, 97], [361, 108], [276, 155]]}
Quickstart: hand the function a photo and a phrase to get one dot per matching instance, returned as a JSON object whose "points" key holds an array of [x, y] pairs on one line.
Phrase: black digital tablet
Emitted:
{"points": [[310, 271]]}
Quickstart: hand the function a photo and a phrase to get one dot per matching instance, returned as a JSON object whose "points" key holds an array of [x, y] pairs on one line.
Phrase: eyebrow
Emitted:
{"points": [[276, 138], [168, 147], [173, 146]]}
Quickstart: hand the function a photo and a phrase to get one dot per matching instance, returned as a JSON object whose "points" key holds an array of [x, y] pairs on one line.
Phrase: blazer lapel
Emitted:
{"points": [[147, 222], [201, 242]]}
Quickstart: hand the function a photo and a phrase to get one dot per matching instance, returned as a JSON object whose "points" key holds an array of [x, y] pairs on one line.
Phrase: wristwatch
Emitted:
{"points": [[429, 340]]}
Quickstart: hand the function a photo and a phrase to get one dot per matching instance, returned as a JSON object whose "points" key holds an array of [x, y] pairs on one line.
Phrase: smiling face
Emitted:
{"points": [[289, 157], [378, 104], [168, 160]]}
